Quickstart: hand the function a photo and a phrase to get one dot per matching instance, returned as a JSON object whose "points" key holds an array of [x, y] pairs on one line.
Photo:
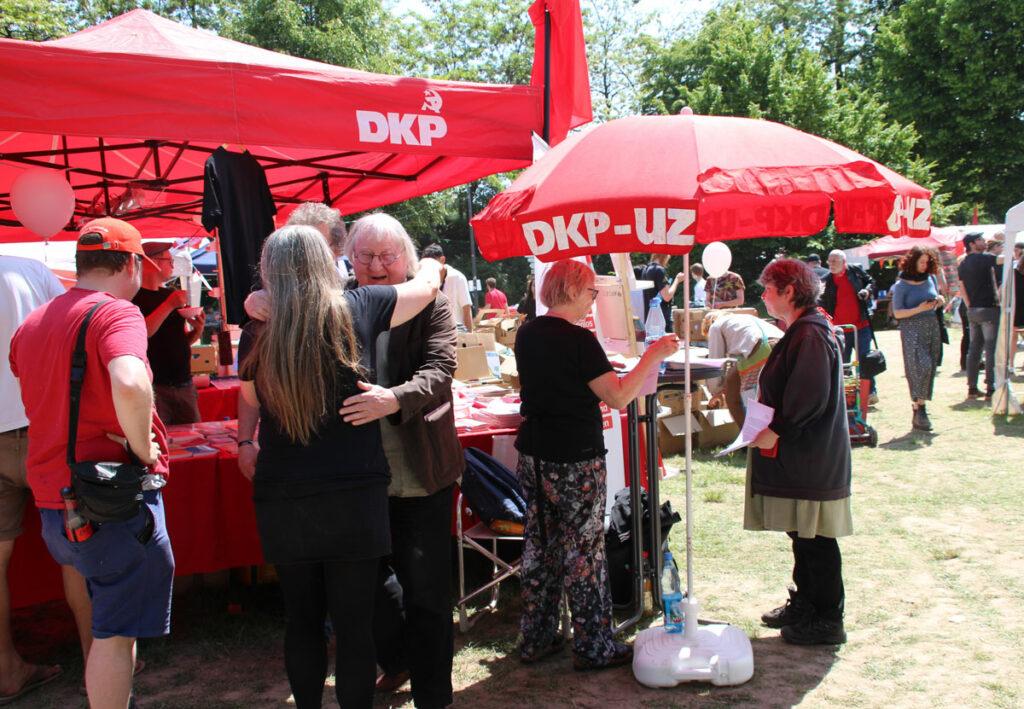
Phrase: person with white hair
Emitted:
{"points": [[846, 297]]}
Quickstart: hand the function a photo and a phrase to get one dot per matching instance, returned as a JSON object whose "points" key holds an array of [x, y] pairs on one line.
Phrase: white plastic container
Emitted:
{"points": [[719, 654]]}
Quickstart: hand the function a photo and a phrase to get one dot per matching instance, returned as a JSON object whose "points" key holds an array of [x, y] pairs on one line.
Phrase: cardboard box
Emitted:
{"points": [[679, 322], [483, 338], [510, 372], [204, 359], [716, 428], [505, 331], [672, 435], [697, 318], [674, 400], [485, 315], [471, 363]]}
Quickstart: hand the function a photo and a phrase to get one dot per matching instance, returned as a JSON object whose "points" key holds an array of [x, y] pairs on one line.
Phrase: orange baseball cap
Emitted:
{"points": [[109, 234]]}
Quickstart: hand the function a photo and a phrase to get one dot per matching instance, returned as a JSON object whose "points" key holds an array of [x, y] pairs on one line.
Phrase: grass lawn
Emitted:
{"points": [[934, 582]]}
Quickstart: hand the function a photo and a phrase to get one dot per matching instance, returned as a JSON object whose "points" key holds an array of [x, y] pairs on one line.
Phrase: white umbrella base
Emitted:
{"points": [[719, 654]]}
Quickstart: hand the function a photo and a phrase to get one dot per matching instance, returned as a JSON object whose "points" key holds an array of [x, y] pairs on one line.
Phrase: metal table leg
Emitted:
{"points": [[636, 528]]}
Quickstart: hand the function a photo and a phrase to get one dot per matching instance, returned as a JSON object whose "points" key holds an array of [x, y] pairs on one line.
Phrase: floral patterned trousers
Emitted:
{"points": [[564, 550]]}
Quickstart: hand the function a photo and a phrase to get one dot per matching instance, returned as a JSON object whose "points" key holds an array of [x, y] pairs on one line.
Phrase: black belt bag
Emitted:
{"points": [[106, 491]]}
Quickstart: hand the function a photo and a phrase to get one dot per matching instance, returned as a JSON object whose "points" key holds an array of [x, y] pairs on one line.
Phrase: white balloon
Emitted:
{"points": [[43, 201], [716, 259]]}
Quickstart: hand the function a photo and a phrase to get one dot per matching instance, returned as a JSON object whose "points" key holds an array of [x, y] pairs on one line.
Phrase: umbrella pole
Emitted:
{"points": [[224, 354], [689, 437]]}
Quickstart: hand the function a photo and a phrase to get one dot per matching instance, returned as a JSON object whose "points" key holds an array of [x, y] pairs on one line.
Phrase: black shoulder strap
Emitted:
{"points": [[78, 360]]}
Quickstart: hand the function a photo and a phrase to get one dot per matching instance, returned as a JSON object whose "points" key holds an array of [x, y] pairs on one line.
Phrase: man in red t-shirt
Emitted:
{"points": [[494, 298], [128, 565], [846, 297]]}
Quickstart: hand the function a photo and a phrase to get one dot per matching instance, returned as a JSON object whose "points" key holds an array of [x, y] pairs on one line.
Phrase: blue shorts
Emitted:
{"points": [[129, 582]]}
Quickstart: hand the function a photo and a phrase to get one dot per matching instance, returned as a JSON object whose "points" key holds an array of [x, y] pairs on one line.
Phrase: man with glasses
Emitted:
{"points": [[170, 337]]}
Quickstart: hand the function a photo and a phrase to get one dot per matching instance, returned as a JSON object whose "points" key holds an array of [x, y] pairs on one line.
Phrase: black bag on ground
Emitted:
{"points": [[619, 544], [492, 490], [107, 491]]}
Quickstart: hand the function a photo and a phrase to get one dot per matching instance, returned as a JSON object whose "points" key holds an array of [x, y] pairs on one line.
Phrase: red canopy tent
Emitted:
{"points": [[887, 247], [131, 108]]}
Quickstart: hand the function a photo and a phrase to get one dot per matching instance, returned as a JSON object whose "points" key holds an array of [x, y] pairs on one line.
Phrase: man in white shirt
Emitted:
{"points": [[748, 340], [455, 287], [25, 285]]}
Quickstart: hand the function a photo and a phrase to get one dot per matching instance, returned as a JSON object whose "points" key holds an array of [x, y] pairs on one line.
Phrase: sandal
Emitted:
{"points": [[623, 655], [552, 649], [41, 675]]}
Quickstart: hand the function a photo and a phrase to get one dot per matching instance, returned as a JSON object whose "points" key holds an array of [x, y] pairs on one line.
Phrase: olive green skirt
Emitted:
{"points": [[808, 518]]}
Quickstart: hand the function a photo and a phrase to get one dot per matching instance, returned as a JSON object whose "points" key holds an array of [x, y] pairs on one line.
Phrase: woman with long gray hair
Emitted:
{"points": [[320, 485]]}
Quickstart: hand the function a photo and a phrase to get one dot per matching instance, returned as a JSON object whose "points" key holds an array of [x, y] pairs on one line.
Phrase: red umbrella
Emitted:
{"points": [[940, 239], [661, 183]]}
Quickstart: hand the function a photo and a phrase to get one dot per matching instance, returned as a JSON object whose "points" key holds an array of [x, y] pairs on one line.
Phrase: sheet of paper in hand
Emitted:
{"points": [[757, 420]]}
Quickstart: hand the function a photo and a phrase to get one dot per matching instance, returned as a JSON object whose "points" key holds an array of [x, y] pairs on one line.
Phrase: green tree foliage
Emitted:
{"points": [[955, 69], [350, 33], [205, 14], [469, 40], [839, 30], [34, 20], [616, 48]]}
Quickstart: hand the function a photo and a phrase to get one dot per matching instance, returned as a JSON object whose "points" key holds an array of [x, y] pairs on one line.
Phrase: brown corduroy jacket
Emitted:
{"points": [[421, 355]]}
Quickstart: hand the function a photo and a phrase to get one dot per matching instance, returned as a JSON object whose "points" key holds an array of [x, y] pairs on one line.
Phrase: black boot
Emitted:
{"points": [[921, 422], [794, 611], [815, 630]]}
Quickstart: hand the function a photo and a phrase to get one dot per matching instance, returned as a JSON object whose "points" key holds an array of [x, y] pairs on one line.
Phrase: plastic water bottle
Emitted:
{"points": [[671, 595], [654, 326]]}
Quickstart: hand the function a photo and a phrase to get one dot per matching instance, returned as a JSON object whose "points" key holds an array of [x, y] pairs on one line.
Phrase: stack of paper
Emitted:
{"points": [[500, 414]]}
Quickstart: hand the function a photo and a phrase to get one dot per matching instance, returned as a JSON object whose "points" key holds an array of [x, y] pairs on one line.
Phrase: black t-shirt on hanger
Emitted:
{"points": [[237, 202]]}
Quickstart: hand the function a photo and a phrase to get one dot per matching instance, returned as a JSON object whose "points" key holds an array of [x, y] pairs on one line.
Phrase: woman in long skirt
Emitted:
{"points": [[915, 298]]}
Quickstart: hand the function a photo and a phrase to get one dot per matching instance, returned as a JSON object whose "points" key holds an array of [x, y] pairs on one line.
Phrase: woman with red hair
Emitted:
{"points": [[915, 298]]}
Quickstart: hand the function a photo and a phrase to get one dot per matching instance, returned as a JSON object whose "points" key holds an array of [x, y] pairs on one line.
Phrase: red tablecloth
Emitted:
{"points": [[219, 401], [210, 520]]}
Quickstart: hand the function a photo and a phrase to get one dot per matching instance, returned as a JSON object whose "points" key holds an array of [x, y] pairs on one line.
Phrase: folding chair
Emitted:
{"points": [[483, 540]]}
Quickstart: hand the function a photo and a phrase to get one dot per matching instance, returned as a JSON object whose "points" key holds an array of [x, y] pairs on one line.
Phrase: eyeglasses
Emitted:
{"points": [[593, 293], [386, 258]]}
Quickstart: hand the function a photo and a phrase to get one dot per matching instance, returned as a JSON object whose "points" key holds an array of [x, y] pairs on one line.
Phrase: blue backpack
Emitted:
{"points": [[492, 490]]}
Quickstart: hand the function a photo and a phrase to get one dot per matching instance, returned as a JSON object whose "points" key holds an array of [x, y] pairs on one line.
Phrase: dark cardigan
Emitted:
{"points": [[803, 381]]}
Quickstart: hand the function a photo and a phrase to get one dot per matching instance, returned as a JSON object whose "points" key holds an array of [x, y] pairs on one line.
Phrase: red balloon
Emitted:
{"points": [[43, 201]]}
